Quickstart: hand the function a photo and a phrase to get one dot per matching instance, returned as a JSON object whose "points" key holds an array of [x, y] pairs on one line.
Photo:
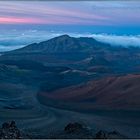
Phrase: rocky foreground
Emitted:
{"points": [[10, 131], [78, 131], [72, 130]]}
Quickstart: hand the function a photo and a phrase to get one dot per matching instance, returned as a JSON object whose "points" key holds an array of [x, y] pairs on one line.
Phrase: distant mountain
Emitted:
{"points": [[81, 53], [63, 44]]}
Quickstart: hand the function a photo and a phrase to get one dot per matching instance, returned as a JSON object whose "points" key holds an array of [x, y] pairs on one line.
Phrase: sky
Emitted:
{"points": [[83, 13], [32, 21], [70, 13]]}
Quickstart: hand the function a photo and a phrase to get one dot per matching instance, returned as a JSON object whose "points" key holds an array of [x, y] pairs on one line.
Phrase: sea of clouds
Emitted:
{"points": [[10, 40]]}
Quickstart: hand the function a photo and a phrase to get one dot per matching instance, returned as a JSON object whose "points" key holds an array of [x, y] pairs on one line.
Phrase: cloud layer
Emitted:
{"points": [[115, 40], [17, 39]]}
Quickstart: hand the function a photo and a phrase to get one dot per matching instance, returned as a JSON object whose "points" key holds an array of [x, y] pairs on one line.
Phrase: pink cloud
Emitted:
{"points": [[50, 20], [46, 13], [12, 20], [87, 13]]}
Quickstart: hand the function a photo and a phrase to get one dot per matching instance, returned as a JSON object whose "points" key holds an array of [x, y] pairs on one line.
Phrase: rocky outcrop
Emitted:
{"points": [[79, 131], [73, 128], [108, 135], [10, 131]]}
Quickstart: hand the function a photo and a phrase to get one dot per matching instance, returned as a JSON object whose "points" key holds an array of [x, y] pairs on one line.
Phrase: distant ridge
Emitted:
{"points": [[63, 43], [82, 52]]}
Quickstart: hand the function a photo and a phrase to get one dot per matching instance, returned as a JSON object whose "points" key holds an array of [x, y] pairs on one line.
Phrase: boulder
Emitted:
{"points": [[10, 131], [108, 135], [73, 127]]}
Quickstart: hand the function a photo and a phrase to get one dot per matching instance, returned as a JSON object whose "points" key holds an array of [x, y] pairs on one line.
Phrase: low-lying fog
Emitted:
{"points": [[10, 40]]}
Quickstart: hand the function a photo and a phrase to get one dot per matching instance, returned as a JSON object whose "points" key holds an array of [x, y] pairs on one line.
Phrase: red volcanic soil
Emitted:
{"points": [[120, 92]]}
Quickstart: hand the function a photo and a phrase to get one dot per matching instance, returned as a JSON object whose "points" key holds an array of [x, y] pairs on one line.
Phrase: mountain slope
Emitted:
{"points": [[121, 92], [61, 44], [79, 53]]}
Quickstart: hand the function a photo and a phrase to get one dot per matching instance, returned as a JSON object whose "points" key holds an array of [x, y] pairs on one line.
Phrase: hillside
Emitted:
{"points": [[121, 92]]}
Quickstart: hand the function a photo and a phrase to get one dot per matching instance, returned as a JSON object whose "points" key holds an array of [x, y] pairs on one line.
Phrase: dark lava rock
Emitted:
{"points": [[74, 131], [9, 131], [101, 135], [79, 131], [73, 128], [108, 135]]}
